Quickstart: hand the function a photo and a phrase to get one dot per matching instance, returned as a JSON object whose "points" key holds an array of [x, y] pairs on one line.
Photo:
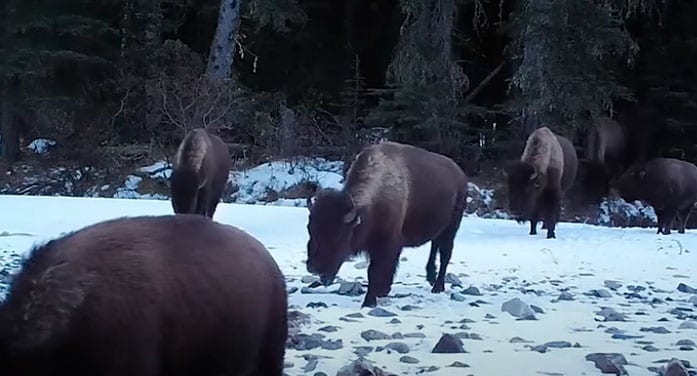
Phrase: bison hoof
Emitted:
{"points": [[370, 301], [438, 287], [551, 235], [533, 232]]}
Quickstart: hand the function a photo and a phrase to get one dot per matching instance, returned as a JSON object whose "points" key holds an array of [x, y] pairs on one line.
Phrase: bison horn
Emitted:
{"points": [[202, 183], [533, 176], [352, 216]]}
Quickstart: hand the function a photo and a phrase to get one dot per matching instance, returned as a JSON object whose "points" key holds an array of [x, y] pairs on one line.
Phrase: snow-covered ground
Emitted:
{"points": [[631, 275]]}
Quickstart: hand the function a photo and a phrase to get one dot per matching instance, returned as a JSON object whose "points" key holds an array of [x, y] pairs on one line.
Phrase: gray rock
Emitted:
{"points": [[685, 342], [519, 340], [311, 365], [328, 329], [612, 285], [459, 365], [395, 321], [304, 342], [332, 345], [693, 300], [554, 344], [319, 374], [453, 280], [537, 309], [362, 367], [609, 362], [397, 335], [316, 305], [610, 314], [657, 330], [686, 289], [649, 348], [517, 308], [374, 335], [601, 293], [308, 279], [472, 290], [688, 325], [350, 289], [380, 312], [414, 335], [399, 347], [355, 315], [448, 344], [675, 368], [292, 290], [565, 295], [362, 350], [457, 297], [408, 359]]}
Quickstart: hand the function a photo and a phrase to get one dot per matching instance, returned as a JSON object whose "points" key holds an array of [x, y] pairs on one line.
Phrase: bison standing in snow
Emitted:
{"points": [[147, 296], [667, 184], [538, 182], [199, 174], [394, 196]]}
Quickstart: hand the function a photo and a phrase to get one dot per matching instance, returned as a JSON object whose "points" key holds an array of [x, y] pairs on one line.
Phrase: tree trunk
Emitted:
{"points": [[8, 124], [152, 42], [222, 50], [287, 130]]}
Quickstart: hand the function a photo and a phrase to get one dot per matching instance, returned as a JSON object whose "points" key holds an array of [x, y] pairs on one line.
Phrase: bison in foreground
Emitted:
{"points": [[667, 184], [394, 196], [538, 182], [146, 296], [199, 174]]}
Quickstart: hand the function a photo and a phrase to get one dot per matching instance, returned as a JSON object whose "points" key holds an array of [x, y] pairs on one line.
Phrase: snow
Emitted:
{"points": [[41, 145], [496, 256]]}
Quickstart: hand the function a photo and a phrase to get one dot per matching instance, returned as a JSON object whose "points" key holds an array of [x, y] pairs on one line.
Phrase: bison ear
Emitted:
{"points": [[351, 216], [311, 202]]}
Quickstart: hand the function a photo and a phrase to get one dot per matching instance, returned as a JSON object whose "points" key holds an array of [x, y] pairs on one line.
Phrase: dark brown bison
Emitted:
{"points": [[612, 146], [394, 196], [538, 182], [146, 296], [199, 174], [667, 184]]}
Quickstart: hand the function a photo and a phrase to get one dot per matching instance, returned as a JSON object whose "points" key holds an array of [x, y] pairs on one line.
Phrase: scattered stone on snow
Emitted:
{"points": [[657, 330], [399, 347], [612, 285], [350, 289], [609, 362], [609, 314], [457, 297], [519, 340], [453, 280], [517, 308], [448, 344], [554, 344], [374, 335], [675, 368], [316, 305], [688, 325], [472, 290], [408, 359], [380, 312], [362, 367], [566, 296], [457, 364], [686, 289]]}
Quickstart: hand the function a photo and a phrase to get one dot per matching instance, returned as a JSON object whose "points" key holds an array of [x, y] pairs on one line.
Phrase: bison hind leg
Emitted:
{"points": [[683, 216], [445, 242]]}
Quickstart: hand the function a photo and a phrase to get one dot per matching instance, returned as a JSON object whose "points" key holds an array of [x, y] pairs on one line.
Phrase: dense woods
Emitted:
{"points": [[467, 78]]}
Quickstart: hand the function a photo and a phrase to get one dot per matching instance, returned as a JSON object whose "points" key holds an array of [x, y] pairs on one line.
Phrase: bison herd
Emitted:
{"points": [[185, 295]]}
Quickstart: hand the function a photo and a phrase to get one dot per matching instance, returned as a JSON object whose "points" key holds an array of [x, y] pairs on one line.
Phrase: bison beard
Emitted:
{"points": [[389, 201], [173, 295]]}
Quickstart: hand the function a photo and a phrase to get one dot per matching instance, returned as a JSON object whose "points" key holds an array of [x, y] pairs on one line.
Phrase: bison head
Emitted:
{"points": [[630, 184], [332, 220], [524, 187]]}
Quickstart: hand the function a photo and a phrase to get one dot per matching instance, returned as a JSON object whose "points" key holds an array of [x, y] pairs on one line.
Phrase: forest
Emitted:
{"points": [[119, 80]]}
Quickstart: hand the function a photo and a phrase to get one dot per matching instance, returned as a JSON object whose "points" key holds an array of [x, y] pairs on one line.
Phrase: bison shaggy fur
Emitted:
{"points": [[199, 174], [667, 184], [538, 181], [394, 196], [146, 296]]}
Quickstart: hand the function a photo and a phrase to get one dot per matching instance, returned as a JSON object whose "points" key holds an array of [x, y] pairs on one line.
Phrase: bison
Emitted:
{"points": [[394, 196], [538, 181], [146, 296], [667, 184], [199, 174]]}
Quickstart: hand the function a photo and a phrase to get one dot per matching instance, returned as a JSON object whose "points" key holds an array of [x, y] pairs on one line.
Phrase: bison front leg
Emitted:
{"points": [[533, 226], [380, 276], [431, 264]]}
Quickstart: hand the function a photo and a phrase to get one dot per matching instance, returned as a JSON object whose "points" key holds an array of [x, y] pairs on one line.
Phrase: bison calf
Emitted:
{"points": [[200, 171], [394, 196], [667, 184], [146, 296], [537, 183]]}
